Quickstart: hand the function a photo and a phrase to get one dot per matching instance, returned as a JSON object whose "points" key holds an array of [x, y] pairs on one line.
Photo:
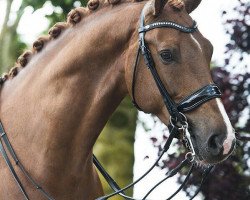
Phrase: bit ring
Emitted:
{"points": [[174, 122], [190, 156]]}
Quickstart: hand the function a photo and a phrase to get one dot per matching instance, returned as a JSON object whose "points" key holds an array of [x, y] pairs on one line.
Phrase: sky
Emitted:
{"points": [[208, 17]]}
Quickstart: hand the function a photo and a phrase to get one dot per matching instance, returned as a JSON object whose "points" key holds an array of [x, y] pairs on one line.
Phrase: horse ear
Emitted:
{"points": [[191, 5], [158, 6]]}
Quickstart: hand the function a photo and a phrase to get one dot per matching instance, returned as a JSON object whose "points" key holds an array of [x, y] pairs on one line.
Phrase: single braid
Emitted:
{"points": [[93, 4], [24, 58], [40, 42], [56, 30]]}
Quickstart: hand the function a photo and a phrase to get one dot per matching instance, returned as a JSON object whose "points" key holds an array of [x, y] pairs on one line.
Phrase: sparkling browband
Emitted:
{"points": [[169, 24]]}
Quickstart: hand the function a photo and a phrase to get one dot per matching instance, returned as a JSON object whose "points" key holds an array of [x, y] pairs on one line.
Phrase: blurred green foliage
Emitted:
{"points": [[114, 148]]}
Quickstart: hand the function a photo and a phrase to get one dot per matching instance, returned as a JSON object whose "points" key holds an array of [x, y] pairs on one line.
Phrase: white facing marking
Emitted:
{"points": [[227, 144], [196, 41]]}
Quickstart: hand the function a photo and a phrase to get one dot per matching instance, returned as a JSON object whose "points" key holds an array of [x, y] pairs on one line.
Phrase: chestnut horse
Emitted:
{"points": [[59, 96]]}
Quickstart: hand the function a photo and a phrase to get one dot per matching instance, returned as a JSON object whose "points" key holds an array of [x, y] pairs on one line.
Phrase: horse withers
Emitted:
{"points": [[59, 96]]}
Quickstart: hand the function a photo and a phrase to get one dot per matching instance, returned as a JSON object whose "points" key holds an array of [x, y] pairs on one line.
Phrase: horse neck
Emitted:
{"points": [[62, 99]]}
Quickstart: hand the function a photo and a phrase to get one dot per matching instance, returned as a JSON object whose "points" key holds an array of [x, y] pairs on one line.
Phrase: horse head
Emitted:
{"points": [[181, 56]]}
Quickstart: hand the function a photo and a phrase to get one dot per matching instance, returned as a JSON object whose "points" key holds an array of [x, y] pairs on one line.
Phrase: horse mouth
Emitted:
{"points": [[204, 158]]}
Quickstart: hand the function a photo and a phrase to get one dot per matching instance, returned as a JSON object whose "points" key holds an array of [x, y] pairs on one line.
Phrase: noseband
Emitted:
{"points": [[178, 123]]}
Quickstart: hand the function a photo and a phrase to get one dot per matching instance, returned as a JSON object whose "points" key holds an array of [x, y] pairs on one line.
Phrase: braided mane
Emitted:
{"points": [[73, 17]]}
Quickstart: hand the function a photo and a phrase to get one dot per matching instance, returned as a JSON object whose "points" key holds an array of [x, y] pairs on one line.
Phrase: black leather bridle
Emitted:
{"points": [[189, 103], [178, 126]]}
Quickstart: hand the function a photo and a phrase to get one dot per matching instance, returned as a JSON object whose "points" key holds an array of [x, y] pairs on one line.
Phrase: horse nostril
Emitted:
{"points": [[215, 144]]}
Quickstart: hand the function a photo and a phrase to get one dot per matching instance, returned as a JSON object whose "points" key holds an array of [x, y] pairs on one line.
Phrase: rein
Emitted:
{"points": [[178, 125], [6, 141]]}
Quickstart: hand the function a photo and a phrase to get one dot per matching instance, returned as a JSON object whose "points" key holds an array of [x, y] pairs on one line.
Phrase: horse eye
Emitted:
{"points": [[166, 56]]}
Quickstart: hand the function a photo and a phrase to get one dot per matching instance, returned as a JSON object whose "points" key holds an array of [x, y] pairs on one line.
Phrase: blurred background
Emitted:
{"points": [[131, 141]]}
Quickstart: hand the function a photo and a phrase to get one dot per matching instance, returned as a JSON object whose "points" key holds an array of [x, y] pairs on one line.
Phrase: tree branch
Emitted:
{"points": [[6, 18]]}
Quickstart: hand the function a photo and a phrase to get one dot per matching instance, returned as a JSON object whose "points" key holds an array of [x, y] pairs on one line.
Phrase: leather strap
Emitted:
{"points": [[119, 191], [168, 175], [19, 164], [204, 177], [199, 97], [169, 103], [7, 160], [183, 184], [169, 24], [134, 79]]}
